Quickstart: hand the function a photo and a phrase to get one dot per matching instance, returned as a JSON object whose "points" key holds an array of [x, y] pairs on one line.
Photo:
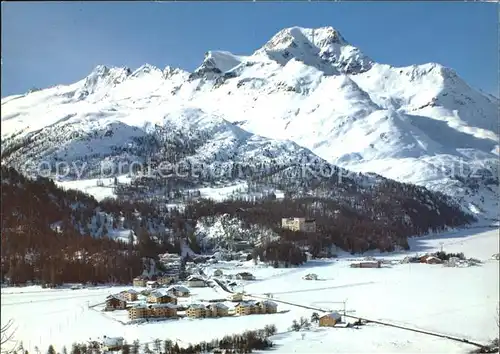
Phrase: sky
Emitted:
{"points": [[49, 43]]}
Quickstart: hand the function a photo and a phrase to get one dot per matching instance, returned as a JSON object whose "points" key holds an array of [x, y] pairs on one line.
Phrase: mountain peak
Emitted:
{"points": [[315, 37], [102, 76], [322, 47]]}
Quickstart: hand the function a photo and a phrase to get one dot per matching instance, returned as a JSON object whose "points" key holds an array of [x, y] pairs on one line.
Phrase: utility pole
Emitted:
{"points": [[313, 36]]}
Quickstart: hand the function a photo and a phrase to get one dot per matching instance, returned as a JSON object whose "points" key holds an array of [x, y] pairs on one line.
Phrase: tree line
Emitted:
{"points": [[243, 343]]}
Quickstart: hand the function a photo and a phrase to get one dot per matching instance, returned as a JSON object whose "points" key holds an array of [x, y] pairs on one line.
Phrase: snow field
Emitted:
{"points": [[455, 301]]}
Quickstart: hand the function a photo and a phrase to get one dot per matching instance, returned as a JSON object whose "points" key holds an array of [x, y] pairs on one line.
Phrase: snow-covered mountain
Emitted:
{"points": [[305, 92]]}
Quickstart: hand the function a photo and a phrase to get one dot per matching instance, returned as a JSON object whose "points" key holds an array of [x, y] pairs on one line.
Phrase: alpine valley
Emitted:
{"points": [[272, 176]]}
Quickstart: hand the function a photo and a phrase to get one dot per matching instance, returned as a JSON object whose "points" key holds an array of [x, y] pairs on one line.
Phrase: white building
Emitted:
{"points": [[194, 281]]}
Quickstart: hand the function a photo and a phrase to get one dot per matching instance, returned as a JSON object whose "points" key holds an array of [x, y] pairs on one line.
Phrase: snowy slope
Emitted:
{"points": [[420, 124]]}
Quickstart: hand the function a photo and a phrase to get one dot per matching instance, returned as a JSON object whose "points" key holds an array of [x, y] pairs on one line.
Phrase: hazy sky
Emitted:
{"points": [[50, 43]]}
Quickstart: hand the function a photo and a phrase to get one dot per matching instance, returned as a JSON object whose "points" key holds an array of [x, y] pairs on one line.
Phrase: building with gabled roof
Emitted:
{"points": [[330, 319], [161, 296], [197, 311], [112, 343], [152, 311], [235, 297], [130, 294], [194, 281], [115, 302], [178, 291], [139, 282], [218, 309]]}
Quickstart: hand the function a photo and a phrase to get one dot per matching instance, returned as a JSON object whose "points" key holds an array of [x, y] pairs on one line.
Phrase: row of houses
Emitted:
{"points": [[160, 296], [160, 310], [193, 281], [217, 309], [169, 294], [238, 276], [255, 307], [142, 281]]}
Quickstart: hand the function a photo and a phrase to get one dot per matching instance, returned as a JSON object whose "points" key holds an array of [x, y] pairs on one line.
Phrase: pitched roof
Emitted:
{"points": [[247, 304], [178, 288], [172, 306], [116, 297], [145, 306], [197, 306], [335, 315], [109, 341], [220, 305], [161, 293]]}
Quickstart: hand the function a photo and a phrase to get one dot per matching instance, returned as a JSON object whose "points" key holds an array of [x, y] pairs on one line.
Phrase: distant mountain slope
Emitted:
{"points": [[420, 124]]}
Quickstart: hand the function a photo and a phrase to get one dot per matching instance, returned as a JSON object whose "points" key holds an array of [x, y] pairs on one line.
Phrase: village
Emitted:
{"points": [[166, 296], [213, 288], [198, 296]]}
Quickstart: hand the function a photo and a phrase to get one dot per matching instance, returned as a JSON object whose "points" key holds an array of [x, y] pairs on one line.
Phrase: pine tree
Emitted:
{"points": [[75, 349], [135, 347], [167, 346], [125, 348], [315, 317], [157, 346], [51, 350]]}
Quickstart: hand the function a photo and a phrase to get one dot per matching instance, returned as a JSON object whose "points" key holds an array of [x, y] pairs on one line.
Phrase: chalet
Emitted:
{"points": [[115, 302], [243, 309], [299, 224], [430, 260], [267, 306], [139, 282], [218, 309], [152, 284], [112, 344], [130, 295], [246, 308], [245, 276], [197, 311], [252, 307], [218, 273], [162, 310], [366, 264], [137, 311], [160, 297], [167, 279], [178, 291], [152, 311], [195, 282], [235, 297], [330, 319]]}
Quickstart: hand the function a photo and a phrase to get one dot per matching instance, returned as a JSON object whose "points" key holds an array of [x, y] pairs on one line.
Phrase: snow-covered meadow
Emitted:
{"points": [[456, 301]]}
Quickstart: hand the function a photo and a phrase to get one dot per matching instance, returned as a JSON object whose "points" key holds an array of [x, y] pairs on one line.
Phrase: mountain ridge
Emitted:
{"points": [[411, 124]]}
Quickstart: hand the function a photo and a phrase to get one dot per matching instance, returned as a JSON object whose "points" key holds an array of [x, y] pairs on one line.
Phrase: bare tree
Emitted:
{"points": [[7, 342]]}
